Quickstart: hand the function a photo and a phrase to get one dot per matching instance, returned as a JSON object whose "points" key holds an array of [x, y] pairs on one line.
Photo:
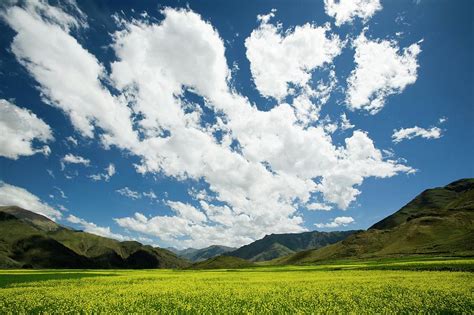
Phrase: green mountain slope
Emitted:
{"points": [[222, 262], [195, 255], [439, 221], [277, 245], [30, 240]]}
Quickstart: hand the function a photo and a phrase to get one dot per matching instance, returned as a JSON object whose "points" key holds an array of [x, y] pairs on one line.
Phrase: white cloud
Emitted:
{"points": [[187, 212], [337, 222], [257, 201], [345, 122], [16, 196], [93, 228], [72, 140], [68, 75], [127, 192], [265, 166], [150, 195], [74, 159], [410, 133], [132, 194], [318, 206], [278, 58], [19, 129], [109, 172], [345, 11], [381, 70]]}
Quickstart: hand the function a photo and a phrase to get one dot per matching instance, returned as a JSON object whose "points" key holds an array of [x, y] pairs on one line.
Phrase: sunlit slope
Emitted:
{"points": [[223, 262], [32, 240], [439, 221], [278, 245], [195, 255]]}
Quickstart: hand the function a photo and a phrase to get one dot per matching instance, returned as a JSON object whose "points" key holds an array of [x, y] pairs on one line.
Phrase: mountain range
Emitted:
{"points": [[438, 222], [277, 245], [196, 255], [30, 240]]}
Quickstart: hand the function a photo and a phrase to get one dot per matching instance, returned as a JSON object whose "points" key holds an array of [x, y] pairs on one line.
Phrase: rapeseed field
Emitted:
{"points": [[263, 290]]}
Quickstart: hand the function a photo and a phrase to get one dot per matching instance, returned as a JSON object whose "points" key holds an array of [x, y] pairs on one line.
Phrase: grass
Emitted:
{"points": [[340, 287]]}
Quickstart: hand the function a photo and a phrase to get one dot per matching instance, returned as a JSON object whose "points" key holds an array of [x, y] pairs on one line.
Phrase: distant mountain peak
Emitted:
{"points": [[439, 221]]}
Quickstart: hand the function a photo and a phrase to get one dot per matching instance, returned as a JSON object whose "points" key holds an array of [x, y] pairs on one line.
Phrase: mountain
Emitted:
{"points": [[439, 221], [195, 255], [30, 240], [278, 245], [222, 262]]}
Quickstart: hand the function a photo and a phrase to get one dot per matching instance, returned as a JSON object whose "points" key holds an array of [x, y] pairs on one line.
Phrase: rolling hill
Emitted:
{"points": [[222, 262], [30, 240], [439, 221], [195, 255], [278, 245]]}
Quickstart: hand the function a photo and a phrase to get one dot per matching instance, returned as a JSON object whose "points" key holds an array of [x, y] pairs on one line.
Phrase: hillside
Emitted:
{"points": [[439, 221], [30, 240], [278, 245], [222, 262], [195, 255]]}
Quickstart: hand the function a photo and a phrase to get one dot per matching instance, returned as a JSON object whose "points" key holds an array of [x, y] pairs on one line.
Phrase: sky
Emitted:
{"points": [[188, 124]]}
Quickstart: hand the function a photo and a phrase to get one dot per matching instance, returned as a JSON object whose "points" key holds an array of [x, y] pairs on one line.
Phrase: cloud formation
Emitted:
{"points": [[345, 11], [279, 58], [74, 159], [336, 222], [108, 173], [259, 166], [11, 195], [93, 228], [127, 192], [19, 129], [381, 70], [413, 132]]}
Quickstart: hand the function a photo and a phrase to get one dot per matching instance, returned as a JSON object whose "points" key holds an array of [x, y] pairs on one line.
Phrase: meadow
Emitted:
{"points": [[349, 287]]}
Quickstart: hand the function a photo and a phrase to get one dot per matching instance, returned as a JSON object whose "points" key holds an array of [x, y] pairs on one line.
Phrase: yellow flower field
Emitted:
{"points": [[264, 290]]}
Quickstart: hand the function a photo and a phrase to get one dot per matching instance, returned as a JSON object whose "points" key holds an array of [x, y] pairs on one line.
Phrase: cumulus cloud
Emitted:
{"points": [[108, 173], [318, 206], [336, 222], [68, 75], [410, 133], [93, 228], [381, 70], [278, 58], [73, 159], [260, 167], [127, 192], [16, 196], [345, 122], [19, 129], [345, 11]]}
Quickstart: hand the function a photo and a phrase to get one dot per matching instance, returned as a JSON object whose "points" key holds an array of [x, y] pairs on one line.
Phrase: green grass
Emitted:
{"points": [[340, 287]]}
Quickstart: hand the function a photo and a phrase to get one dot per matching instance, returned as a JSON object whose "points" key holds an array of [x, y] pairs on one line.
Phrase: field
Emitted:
{"points": [[354, 287]]}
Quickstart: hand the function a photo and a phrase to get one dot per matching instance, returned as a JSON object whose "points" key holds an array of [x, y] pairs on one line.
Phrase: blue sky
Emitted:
{"points": [[209, 122]]}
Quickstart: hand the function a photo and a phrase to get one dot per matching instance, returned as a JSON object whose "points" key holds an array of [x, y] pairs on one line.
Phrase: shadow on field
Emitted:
{"points": [[7, 280]]}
